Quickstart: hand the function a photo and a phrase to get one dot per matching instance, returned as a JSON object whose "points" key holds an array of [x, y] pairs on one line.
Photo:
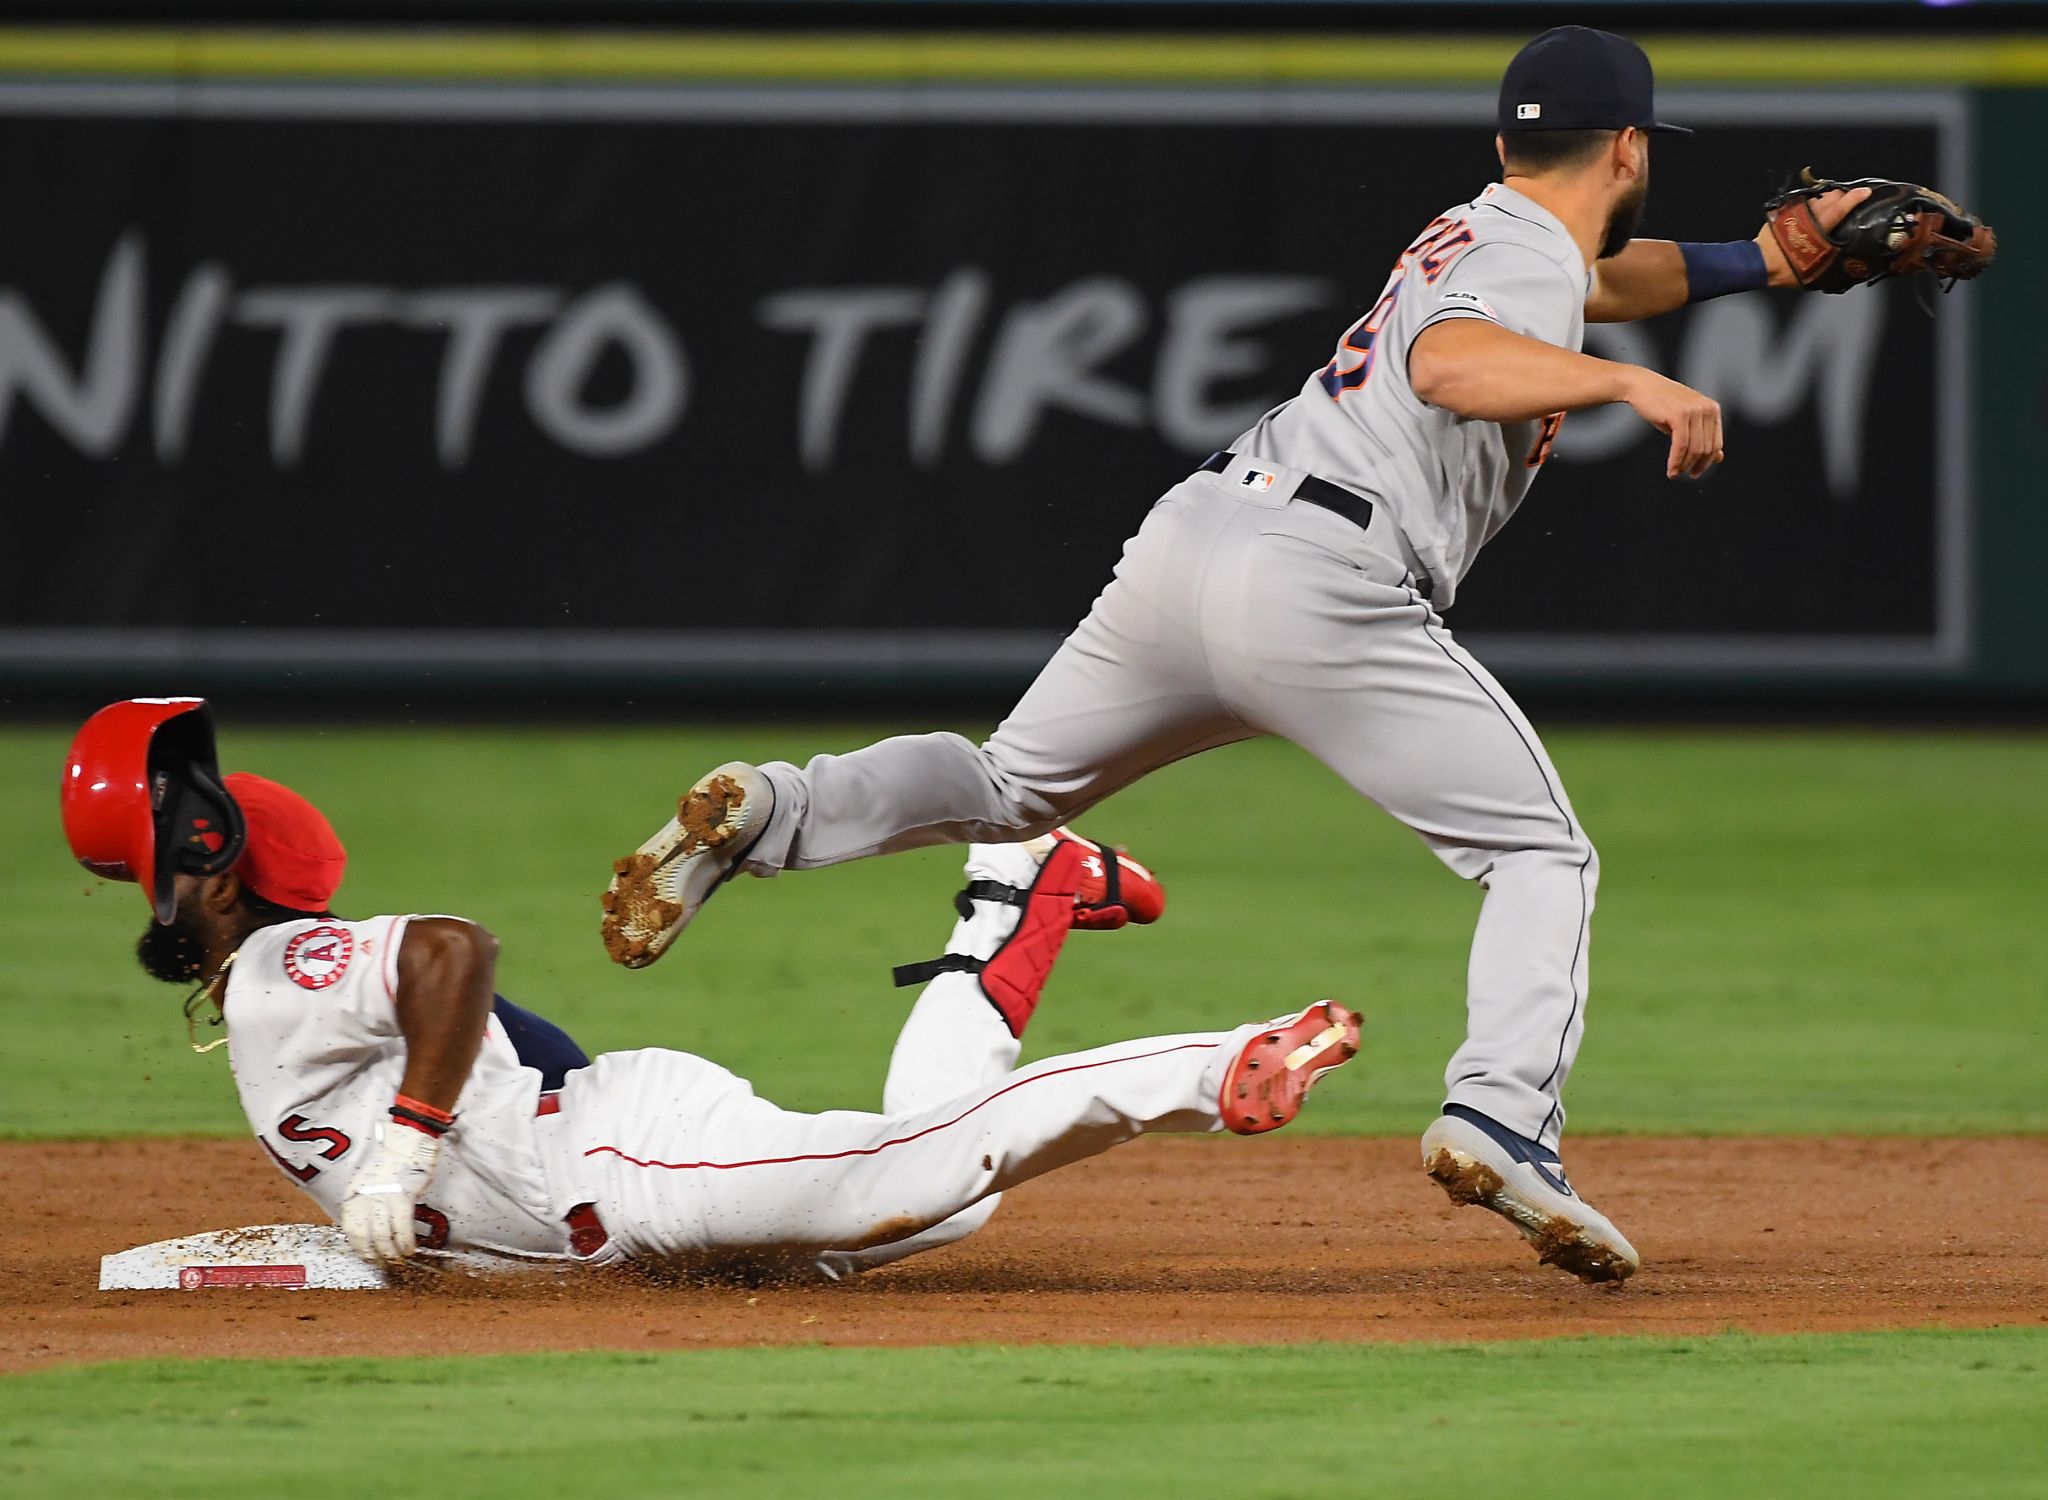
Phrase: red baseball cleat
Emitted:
{"points": [[1114, 888], [1272, 1075]]}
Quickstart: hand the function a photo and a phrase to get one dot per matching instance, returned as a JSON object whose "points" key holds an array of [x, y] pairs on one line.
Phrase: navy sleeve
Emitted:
{"points": [[540, 1043]]}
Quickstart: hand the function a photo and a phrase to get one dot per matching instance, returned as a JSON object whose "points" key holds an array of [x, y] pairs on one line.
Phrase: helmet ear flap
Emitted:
{"points": [[199, 828]]}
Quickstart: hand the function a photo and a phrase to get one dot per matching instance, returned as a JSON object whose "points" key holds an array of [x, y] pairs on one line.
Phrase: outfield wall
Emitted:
{"points": [[639, 363]]}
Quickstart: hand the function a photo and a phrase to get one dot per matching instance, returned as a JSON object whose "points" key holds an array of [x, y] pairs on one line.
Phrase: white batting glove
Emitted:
{"points": [[377, 1213]]}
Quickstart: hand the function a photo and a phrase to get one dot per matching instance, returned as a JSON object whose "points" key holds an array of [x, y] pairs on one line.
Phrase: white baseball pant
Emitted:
{"points": [[686, 1165]]}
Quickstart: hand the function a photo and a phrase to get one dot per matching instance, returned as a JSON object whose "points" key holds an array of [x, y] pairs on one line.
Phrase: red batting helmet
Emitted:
{"points": [[143, 798]]}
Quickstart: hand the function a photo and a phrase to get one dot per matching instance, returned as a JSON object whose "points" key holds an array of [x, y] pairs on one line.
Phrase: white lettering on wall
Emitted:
{"points": [[1825, 354], [956, 313], [1048, 357], [981, 373], [1736, 351], [615, 316], [839, 322], [181, 363], [308, 318], [91, 409], [92, 406], [476, 319], [1205, 325]]}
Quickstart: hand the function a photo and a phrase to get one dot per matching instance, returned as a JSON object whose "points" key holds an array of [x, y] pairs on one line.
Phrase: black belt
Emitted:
{"points": [[1354, 508]]}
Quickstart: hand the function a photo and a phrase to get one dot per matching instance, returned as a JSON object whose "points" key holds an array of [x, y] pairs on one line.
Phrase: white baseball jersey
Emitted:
{"points": [[317, 1056], [1450, 481], [679, 1158]]}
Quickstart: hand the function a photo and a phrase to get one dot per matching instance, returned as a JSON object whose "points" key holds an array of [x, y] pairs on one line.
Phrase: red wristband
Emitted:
{"points": [[420, 1116]]}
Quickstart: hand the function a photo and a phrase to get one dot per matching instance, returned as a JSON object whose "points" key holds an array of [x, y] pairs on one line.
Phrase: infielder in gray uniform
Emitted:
{"points": [[1295, 585]]}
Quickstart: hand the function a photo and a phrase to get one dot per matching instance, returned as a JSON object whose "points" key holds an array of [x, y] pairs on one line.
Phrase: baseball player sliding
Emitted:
{"points": [[384, 1076], [1295, 585]]}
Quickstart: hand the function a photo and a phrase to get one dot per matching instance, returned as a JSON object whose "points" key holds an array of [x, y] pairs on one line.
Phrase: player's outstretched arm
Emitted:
{"points": [[1645, 279], [1478, 369], [447, 975], [1649, 277], [446, 979]]}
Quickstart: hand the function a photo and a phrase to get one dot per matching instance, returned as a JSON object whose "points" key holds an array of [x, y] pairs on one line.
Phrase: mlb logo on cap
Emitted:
{"points": [[1576, 78]]}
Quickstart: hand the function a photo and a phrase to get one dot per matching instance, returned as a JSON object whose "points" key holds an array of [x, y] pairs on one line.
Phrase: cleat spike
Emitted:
{"points": [[1257, 1098]]}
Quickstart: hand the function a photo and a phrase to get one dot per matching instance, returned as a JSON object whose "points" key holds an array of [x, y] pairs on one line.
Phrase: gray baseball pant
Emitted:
{"points": [[1237, 612]]}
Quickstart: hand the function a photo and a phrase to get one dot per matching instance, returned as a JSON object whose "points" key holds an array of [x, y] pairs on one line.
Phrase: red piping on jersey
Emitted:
{"points": [[389, 968], [777, 1161]]}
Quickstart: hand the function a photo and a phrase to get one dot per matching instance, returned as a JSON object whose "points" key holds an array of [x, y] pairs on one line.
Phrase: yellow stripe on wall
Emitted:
{"points": [[454, 55]]}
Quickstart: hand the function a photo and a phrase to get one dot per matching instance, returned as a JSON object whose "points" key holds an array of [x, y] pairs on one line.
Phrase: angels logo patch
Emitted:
{"points": [[318, 957]]}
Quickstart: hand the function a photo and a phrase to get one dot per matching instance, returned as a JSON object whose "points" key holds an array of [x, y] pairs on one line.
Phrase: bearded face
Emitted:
{"points": [[173, 954], [1627, 217]]}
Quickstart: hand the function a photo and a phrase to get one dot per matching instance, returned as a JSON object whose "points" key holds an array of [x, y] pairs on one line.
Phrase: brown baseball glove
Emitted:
{"points": [[1901, 229]]}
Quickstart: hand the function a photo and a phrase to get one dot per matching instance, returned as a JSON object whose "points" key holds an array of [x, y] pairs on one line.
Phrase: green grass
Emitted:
{"points": [[1797, 931], [1931, 1413]]}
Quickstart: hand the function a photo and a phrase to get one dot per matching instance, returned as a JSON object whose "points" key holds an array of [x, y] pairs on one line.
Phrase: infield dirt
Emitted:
{"points": [[1162, 1242]]}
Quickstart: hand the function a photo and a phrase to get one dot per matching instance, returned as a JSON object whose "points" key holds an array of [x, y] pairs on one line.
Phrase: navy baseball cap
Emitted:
{"points": [[1576, 78]]}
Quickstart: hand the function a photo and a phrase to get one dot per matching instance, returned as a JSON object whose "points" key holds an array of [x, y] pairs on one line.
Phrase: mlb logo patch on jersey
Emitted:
{"points": [[1474, 301], [318, 957], [1254, 479]]}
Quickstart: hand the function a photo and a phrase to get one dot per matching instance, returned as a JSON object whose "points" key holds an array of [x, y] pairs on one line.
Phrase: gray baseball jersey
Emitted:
{"points": [[1451, 481]]}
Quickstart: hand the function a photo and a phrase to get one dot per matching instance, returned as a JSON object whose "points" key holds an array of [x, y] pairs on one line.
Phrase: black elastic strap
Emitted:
{"points": [[932, 968], [986, 890], [1112, 880], [427, 1123]]}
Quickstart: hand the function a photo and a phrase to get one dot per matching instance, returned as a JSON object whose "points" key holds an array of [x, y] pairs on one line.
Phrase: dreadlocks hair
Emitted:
{"points": [[1530, 153]]}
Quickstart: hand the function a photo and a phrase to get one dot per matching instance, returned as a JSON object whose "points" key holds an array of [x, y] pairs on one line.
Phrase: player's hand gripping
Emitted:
{"points": [[1829, 209], [377, 1213], [1692, 420]]}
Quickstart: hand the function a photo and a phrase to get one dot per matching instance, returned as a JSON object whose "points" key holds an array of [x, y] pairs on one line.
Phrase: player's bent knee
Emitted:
{"points": [[1026, 809], [1569, 847], [1573, 855], [1037, 824], [1579, 853], [1014, 827]]}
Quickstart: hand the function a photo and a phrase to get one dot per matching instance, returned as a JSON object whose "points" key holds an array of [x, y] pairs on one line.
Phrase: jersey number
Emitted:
{"points": [[1352, 365], [1440, 243], [333, 1144], [1540, 450], [431, 1227]]}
